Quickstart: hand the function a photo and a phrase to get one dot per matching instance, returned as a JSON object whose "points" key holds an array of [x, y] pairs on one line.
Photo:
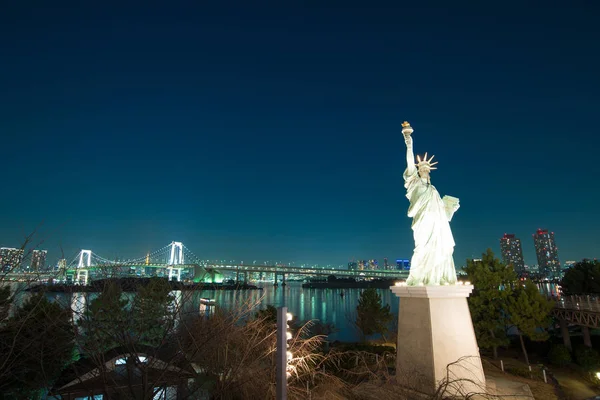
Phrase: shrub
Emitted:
{"points": [[560, 355], [587, 357], [518, 371]]}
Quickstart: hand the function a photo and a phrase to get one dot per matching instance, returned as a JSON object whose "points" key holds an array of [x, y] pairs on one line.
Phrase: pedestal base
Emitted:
{"points": [[436, 341]]}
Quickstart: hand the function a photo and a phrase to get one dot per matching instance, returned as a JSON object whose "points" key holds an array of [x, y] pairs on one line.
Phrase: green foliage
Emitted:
{"points": [[36, 344], [5, 300], [582, 278], [529, 312], [371, 316], [111, 320], [518, 371], [493, 283], [105, 323], [151, 314], [560, 355], [587, 358]]}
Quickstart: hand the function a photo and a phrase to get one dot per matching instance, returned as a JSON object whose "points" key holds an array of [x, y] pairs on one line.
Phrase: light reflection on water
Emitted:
{"points": [[325, 305], [549, 289]]}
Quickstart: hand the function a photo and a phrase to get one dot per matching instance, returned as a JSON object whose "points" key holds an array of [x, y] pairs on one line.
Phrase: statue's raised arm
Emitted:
{"points": [[410, 157]]}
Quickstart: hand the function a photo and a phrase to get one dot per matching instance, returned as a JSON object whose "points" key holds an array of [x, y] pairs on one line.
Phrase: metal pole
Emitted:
{"points": [[281, 370]]}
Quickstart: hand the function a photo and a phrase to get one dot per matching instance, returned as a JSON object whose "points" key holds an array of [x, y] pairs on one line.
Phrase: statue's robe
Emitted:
{"points": [[432, 262]]}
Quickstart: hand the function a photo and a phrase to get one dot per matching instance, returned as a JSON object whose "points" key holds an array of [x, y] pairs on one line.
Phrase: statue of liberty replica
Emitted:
{"points": [[436, 344], [432, 262]]}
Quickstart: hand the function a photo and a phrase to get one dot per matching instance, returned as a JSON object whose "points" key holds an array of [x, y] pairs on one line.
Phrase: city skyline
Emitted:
{"points": [[509, 244], [274, 133]]}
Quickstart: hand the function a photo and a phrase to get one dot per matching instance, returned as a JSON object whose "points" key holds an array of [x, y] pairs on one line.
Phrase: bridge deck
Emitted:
{"points": [[579, 310], [265, 269]]}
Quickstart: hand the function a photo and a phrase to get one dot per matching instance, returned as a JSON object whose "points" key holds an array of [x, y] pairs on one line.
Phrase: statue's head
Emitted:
{"points": [[424, 166]]}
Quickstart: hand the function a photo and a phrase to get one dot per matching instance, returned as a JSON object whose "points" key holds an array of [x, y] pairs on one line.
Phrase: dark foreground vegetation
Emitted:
{"points": [[149, 343], [513, 321]]}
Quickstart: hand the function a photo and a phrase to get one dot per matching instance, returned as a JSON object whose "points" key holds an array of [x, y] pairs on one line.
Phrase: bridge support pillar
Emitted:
{"points": [[564, 330], [587, 340], [174, 273], [282, 279], [275, 279], [82, 276]]}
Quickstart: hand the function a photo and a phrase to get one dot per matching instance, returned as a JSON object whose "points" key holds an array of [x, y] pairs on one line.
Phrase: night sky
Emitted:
{"points": [[273, 133]]}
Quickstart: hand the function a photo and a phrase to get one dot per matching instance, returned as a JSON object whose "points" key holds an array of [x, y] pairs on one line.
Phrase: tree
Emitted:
{"points": [[152, 317], [493, 283], [36, 344], [371, 316], [105, 323], [138, 327], [529, 311], [5, 301], [582, 278]]}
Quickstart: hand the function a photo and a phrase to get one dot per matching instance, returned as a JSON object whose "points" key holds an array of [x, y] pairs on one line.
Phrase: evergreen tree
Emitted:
{"points": [[371, 316], [529, 312], [106, 323], [582, 278], [493, 283], [36, 344], [153, 312]]}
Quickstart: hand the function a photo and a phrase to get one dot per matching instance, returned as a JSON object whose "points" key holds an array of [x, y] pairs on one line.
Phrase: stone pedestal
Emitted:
{"points": [[436, 340]]}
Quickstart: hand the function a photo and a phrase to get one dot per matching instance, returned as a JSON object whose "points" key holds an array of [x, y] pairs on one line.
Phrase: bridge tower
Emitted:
{"points": [[176, 254], [176, 258], [83, 260]]}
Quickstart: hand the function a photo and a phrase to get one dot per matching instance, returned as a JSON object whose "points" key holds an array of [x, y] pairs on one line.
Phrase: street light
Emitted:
{"points": [[284, 356]]}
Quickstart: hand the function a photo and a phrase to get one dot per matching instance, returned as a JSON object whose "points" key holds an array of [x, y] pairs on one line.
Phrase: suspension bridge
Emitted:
{"points": [[176, 262]]}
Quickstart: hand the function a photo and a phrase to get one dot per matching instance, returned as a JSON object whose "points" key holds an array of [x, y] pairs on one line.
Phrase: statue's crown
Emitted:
{"points": [[425, 163]]}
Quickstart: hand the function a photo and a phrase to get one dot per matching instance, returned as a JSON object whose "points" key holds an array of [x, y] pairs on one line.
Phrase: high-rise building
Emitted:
{"points": [[547, 253], [385, 264], [10, 258], [512, 252], [38, 260], [403, 265], [373, 264]]}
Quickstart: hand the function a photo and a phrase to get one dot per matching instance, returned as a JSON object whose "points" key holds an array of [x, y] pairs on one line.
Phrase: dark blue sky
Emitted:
{"points": [[273, 132]]}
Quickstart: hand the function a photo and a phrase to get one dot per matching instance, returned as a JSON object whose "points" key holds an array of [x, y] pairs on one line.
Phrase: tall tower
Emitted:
{"points": [[547, 253], [62, 266], [512, 252], [38, 260]]}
